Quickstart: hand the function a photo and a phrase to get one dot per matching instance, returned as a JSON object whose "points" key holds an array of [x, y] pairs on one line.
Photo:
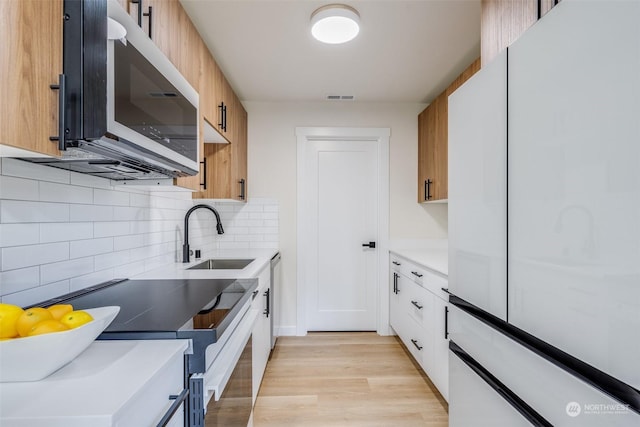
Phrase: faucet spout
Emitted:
{"points": [[185, 246]]}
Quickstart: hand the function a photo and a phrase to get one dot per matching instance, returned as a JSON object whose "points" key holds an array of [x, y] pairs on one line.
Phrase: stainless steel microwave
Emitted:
{"points": [[126, 112]]}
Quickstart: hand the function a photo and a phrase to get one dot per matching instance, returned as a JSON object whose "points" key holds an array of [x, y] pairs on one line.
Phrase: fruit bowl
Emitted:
{"points": [[34, 358]]}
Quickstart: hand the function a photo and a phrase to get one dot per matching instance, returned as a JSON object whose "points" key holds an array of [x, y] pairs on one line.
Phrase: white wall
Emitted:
{"points": [[272, 172], [61, 231]]}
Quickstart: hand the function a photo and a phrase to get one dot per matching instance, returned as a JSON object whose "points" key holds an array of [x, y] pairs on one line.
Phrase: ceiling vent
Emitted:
{"points": [[340, 97]]}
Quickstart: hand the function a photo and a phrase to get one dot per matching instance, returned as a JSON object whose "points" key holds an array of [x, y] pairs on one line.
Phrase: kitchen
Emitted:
{"points": [[62, 232]]}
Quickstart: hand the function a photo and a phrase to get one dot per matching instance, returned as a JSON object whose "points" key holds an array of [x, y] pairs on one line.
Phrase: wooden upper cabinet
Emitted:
{"points": [[433, 147], [502, 22], [30, 61], [432, 151]]}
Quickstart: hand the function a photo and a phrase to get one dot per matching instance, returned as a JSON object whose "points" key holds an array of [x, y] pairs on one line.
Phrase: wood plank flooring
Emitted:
{"points": [[346, 379]]}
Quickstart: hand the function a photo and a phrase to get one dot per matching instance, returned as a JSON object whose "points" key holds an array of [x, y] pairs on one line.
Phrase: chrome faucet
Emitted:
{"points": [[185, 247]]}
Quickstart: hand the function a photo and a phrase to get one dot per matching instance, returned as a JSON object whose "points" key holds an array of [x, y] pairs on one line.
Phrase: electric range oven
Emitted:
{"points": [[215, 315]]}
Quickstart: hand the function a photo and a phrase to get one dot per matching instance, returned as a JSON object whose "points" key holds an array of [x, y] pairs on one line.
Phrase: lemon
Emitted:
{"points": [[47, 327], [76, 318], [9, 315], [59, 310], [30, 317]]}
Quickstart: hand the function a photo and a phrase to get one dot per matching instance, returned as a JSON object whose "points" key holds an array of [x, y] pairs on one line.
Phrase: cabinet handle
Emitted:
{"points": [[395, 263], [139, 3], [415, 273], [370, 245], [221, 121], [415, 342], [149, 14], [203, 184], [446, 323], [417, 305], [242, 195], [427, 189], [62, 94], [395, 282], [177, 401], [253, 295], [225, 118], [267, 311]]}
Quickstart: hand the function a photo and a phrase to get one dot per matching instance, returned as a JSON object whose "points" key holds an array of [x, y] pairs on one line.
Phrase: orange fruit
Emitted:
{"points": [[47, 327], [9, 315], [30, 317], [59, 310], [76, 319]]}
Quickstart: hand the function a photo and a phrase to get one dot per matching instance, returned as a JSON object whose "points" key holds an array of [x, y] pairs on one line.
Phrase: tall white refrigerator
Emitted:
{"points": [[544, 226]]}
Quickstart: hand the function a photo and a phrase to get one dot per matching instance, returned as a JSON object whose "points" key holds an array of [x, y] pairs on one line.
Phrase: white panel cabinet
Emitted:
{"points": [[261, 335], [417, 314], [574, 186], [477, 188]]}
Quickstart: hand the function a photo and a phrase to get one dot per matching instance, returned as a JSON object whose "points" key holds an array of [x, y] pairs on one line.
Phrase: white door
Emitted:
{"points": [[342, 193]]}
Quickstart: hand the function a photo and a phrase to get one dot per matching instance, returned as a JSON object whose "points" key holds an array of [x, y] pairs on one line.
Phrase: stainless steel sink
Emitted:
{"points": [[222, 264]]}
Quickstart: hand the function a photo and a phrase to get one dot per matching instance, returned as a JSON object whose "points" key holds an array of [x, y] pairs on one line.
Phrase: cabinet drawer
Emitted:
{"points": [[541, 384], [419, 304], [417, 341], [152, 401]]}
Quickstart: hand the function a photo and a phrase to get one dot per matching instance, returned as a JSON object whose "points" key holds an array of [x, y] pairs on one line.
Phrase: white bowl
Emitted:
{"points": [[35, 358]]}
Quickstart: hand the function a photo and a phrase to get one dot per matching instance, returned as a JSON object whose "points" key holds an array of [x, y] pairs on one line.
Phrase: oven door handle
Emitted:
{"points": [[217, 376], [177, 401]]}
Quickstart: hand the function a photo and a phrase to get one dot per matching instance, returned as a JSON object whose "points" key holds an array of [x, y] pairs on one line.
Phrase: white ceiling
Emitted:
{"points": [[407, 50]]}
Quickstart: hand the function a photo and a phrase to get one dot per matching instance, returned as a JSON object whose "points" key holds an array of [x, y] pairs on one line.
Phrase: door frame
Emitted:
{"points": [[380, 137]]}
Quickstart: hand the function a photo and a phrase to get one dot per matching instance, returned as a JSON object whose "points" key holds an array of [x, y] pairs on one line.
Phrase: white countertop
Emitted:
{"points": [[92, 389], [262, 258], [436, 259]]}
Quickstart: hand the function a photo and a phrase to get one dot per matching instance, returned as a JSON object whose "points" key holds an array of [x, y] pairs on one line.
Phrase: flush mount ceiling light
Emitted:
{"points": [[335, 23]]}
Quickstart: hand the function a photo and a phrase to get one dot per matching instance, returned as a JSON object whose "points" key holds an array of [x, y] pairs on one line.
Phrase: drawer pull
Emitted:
{"points": [[417, 305], [415, 342], [415, 273], [395, 263], [395, 283]]}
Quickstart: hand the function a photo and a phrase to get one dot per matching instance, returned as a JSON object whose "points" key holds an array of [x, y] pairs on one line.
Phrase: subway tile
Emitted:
{"points": [[95, 278], [270, 215], [233, 245], [38, 294], [110, 197], [139, 200], [271, 208], [26, 256], [237, 230], [62, 193], [153, 238], [262, 201], [271, 223], [90, 247], [19, 234], [264, 230], [249, 238], [144, 252], [91, 181], [128, 270], [111, 260], [57, 271], [258, 215], [19, 280], [127, 213], [13, 211], [18, 188], [22, 169], [65, 231], [263, 245], [271, 237], [109, 229], [91, 213], [128, 242], [251, 208]]}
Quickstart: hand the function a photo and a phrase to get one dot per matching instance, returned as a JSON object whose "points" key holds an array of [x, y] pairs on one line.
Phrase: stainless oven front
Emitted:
{"points": [[222, 395]]}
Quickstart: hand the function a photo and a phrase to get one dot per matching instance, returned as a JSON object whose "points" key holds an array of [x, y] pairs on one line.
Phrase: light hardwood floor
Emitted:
{"points": [[346, 379]]}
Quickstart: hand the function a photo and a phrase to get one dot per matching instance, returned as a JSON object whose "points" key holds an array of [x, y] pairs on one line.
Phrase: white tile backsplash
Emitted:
{"points": [[61, 231]]}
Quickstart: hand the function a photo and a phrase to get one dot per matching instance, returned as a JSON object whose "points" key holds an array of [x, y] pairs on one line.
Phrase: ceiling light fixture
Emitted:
{"points": [[335, 23]]}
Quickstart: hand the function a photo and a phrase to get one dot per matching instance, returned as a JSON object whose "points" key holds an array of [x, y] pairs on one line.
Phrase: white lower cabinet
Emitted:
{"points": [[261, 336], [417, 314]]}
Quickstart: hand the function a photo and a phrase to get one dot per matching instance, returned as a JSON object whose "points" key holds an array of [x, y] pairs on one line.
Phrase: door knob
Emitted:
{"points": [[371, 245]]}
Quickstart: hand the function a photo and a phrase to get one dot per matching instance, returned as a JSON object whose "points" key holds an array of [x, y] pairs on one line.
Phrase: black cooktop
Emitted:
{"points": [[165, 309]]}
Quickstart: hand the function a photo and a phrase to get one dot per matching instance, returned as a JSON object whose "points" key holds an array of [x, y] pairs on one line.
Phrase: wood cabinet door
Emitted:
{"points": [[31, 61], [432, 151]]}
